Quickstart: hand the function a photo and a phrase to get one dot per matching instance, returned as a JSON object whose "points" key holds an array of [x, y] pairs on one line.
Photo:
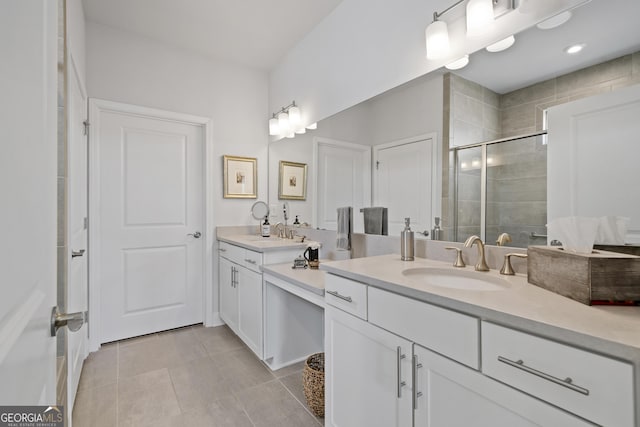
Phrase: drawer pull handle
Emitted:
{"points": [[337, 295], [250, 261], [567, 382]]}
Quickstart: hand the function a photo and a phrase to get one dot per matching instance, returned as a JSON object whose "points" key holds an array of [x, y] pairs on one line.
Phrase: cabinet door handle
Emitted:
{"points": [[414, 377], [337, 295], [233, 277], [250, 261], [567, 382], [399, 357]]}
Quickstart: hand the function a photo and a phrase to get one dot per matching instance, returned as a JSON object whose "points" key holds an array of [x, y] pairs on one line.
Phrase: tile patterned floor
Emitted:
{"points": [[193, 376]]}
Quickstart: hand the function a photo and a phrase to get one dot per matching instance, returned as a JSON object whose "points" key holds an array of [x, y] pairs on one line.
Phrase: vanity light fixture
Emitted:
{"points": [[480, 18], [458, 63], [502, 44], [287, 122], [313, 126], [301, 130]]}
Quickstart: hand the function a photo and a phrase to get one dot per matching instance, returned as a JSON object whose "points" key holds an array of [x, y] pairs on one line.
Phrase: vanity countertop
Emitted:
{"points": [[263, 244], [615, 329], [307, 278]]}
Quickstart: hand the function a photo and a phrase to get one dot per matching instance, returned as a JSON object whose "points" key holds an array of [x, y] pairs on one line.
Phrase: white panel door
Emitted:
{"points": [[452, 395], [28, 36], [403, 182], [344, 179], [151, 217], [594, 147], [77, 291], [368, 374]]}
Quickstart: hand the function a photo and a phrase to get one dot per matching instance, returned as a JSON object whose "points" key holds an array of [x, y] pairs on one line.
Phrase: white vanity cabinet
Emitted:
{"points": [[241, 290], [368, 374], [406, 362]]}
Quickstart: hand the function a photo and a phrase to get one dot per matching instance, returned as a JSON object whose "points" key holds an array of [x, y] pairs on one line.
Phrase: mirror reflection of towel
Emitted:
{"points": [[345, 219], [375, 220]]}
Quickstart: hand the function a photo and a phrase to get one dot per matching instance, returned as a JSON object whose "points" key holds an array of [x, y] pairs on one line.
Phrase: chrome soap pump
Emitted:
{"points": [[407, 245], [436, 232]]}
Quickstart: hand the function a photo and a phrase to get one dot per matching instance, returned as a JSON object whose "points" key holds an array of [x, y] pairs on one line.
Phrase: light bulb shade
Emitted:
{"points": [[480, 18], [437, 38], [274, 127], [294, 117], [283, 123], [313, 126], [502, 44], [301, 131], [458, 63]]}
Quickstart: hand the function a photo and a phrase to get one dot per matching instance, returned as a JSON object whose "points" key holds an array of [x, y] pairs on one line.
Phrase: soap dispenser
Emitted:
{"points": [[436, 233], [407, 245], [266, 228]]}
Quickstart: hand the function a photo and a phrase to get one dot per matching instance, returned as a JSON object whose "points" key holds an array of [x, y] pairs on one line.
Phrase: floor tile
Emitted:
{"points": [[228, 412], [242, 369], [294, 384], [271, 405], [218, 340], [96, 407], [100, 368], [288, 370], [198, 384], [146, 398]]}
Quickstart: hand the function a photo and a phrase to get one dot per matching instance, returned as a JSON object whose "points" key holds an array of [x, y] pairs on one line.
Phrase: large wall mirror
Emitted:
{"points": [[419, 149]]}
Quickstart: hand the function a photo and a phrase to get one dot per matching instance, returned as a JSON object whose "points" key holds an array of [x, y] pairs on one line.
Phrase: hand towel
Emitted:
{"points": [[375, 220], [343, 238]]}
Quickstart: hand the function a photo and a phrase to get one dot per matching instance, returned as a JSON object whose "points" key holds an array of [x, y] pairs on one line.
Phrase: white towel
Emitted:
{"points": [[343, 237]]}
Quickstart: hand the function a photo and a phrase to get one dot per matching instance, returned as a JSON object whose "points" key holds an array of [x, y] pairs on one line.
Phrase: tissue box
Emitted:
{"points": [[601, 277]]}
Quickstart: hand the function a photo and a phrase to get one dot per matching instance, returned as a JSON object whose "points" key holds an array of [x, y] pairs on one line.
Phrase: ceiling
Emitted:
{"points": [[258, 33], [255, 33], [609, 28]]}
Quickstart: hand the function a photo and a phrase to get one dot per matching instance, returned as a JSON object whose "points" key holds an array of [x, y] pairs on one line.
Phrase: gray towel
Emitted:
{"points": [[375, 220], [343, 238]]}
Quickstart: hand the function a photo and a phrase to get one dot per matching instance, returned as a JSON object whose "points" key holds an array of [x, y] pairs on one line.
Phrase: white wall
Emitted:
{"points": [[76, 34], [125, 67], [365, 47]]}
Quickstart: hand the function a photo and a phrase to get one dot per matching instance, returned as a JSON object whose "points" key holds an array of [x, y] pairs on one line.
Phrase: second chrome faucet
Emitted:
{"points": [[481, 264]]}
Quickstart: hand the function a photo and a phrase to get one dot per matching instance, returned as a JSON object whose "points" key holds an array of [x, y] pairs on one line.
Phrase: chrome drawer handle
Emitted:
{"points": [[337, 295], [399, 357], [250, 261], [567, 382]]}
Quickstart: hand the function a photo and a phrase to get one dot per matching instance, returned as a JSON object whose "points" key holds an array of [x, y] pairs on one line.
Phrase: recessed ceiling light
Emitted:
{"points": [[458, 63], [555, 21], [573, 49], [502, 44]]}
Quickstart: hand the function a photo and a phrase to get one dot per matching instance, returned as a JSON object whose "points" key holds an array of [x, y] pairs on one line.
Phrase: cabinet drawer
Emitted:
{"points": [[252, 260], [347, 295], [231, 252], [592, 386], [447, 332]]}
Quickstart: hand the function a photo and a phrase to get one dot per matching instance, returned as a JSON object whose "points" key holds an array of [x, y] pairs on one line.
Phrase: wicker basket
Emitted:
{"points": [[313, 383]]}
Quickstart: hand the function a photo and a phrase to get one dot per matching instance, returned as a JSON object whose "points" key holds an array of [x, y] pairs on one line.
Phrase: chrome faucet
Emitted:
{"points": [[503, 239], [481, 265]]}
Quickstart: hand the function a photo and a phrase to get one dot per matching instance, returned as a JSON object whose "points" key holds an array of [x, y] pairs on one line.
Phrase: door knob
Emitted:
{"points": [[73, 321], [197, 234], [77, 253]]}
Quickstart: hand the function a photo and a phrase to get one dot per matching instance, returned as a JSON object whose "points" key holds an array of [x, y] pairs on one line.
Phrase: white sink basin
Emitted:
{"points": [[457, 279]]}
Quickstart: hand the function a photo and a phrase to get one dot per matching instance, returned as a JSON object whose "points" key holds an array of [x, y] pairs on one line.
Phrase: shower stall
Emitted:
{"points": [[500, 187]]}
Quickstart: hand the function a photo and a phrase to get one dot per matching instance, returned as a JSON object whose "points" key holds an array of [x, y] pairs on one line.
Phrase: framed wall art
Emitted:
{"points": [[240, 177], [293, 181]]}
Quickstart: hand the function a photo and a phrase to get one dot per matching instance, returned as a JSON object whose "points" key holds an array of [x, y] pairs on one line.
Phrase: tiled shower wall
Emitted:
{"points": [[470, 112]]}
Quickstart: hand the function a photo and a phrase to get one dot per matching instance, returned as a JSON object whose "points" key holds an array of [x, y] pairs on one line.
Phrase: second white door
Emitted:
{"points": [[150, 261]]}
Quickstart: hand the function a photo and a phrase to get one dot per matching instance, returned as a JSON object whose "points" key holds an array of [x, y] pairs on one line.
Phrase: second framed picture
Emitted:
{"points": [[293, 181]]}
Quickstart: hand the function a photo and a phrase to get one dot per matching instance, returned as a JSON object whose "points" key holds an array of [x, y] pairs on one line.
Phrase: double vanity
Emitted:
{"points": [[423, 343]]}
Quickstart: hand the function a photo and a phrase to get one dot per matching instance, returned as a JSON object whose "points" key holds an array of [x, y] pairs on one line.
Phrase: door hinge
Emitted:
{"points": [[86, 127], [86, 222], [377, 164]]}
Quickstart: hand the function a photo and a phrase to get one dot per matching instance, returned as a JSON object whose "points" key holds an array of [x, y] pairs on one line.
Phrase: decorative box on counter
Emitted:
{"points": [[600, 277]]}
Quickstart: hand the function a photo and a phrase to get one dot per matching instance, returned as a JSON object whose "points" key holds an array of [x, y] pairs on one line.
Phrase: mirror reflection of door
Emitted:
{"points": [[344, 171], [403, 181]]}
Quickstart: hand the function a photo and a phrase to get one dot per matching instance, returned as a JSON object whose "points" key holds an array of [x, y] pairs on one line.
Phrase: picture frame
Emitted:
{"points": [[240, 177], [292, 184]]}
